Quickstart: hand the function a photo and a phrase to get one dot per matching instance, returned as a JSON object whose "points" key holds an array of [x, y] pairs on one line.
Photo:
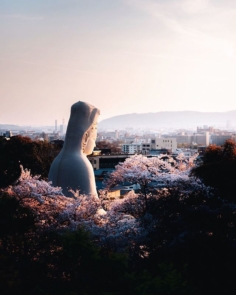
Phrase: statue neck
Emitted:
{"points": [[74, 144]]}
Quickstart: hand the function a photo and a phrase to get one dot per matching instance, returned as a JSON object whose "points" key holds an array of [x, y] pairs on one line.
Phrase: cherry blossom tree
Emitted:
{"points": [[53, 211], [183, 218], [142, 170], [120, 225]]}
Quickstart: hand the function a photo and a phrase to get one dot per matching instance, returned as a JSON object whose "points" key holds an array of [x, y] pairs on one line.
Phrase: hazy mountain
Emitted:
{"points": [[26, 128], [183, 119], [10, 127]]}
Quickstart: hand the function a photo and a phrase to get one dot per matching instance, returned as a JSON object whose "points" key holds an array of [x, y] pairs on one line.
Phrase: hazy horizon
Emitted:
{"points": [[123, 56], [197, 119]]}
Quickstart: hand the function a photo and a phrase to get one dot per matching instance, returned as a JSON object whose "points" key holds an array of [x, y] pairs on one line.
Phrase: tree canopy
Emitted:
{"points": [[114, 146], [218, 169], [34, 155], [182, 243]]}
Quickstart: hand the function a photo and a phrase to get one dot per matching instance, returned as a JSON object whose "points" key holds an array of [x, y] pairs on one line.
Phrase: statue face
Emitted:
{"points": [[92, 135]]}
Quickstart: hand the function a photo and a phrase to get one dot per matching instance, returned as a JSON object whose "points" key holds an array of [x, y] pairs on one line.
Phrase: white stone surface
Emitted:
{"points": [[71, 169]]}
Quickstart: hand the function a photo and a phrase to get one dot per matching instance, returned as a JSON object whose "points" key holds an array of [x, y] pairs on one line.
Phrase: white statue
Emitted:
{"points": [[71, 169]]}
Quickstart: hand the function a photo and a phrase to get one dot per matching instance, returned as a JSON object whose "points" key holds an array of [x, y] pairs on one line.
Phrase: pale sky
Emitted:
{"points": [[122, 56]]}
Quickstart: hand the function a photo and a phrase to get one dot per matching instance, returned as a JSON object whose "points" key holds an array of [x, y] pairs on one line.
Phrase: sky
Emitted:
{"points": [[122, 56]]}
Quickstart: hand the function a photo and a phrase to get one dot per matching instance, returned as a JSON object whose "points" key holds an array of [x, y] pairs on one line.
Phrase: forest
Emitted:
{"points": [[176, 235]]}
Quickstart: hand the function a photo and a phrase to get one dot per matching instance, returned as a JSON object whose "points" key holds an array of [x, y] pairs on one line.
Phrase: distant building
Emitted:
{"points": [[8, 134], [159, 152], [63, 127], [201, 139], [55, 126], [44, 136], [205, 129], [168, 143], [54, 136], [131, 148], [195, 139], [134, 139], [106, 161], [146, 147], [187, 152], [219, 139], [114, 135]]}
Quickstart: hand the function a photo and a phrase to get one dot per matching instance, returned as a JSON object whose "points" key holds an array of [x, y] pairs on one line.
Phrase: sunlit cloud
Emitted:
{"points": [[200, 28]]}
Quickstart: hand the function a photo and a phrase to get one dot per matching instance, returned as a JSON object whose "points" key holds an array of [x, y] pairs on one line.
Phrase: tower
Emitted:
{"points": [[62, 127], [56, 126]]}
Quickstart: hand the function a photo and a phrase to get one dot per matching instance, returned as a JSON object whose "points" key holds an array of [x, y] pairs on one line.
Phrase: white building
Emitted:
{"points": [[198, 139], [146, 147], [169, 143], [131, 148], [8, 134], [109, 134], [201, 139]]}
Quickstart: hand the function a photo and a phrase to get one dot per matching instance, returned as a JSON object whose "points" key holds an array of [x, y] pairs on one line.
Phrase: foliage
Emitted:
{"points": [[55, 211], [150, 172], [34, 155], [53, 260], [114, 146], [197, 230], [142, 170], [219, 169], [178, 239]]}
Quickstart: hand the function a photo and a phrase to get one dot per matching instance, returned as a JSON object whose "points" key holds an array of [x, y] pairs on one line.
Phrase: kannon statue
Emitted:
{"points": [[71, 169]]}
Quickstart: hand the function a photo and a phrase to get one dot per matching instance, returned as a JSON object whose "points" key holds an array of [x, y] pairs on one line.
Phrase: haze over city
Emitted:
{"points": [[123, 56]]}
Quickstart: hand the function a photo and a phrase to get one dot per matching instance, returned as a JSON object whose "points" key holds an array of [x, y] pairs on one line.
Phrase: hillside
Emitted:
{"points": [[10, 127], [183, 119]]}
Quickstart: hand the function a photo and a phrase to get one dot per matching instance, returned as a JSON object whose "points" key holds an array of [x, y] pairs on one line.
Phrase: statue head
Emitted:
{"points": [[82, 126], [89, 139]]}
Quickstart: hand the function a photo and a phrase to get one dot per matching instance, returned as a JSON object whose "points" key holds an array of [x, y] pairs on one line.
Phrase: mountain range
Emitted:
{"points": [[182, 119], [173, 120]]}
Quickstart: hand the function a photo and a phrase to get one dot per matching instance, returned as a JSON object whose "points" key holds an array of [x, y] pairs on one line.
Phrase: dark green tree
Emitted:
{"points": [[34, 155], [114, 146], [219, 169]]}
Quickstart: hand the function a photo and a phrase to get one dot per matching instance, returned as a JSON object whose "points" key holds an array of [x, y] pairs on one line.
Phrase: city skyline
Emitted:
{"points": [[124, 56]]}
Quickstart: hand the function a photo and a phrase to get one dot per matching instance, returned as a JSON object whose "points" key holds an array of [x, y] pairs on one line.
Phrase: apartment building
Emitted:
{"points": [[168, 143], [198, 139], [219, 139], [131, 148]]}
